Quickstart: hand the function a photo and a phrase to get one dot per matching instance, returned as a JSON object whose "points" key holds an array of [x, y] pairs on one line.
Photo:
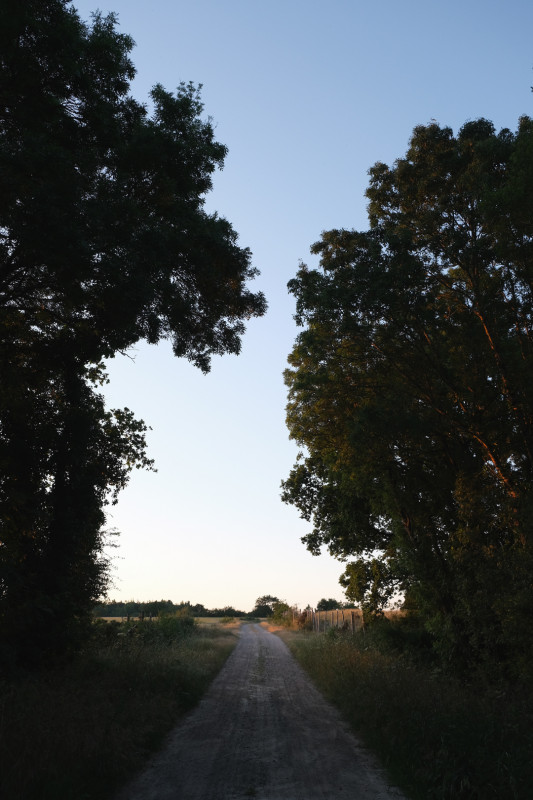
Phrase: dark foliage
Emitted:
{"points": [[158, 608], [103, 242], [411, 391], [328, 604]]}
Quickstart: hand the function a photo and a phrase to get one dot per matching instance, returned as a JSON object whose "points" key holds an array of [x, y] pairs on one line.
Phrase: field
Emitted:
{"points": [[80, 730]]}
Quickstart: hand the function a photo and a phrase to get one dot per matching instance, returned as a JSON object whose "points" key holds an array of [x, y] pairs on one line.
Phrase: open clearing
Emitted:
{"points": [[262, 731]]}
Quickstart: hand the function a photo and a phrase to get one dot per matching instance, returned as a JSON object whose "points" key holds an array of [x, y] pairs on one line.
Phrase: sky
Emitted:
{"points": [[307, 96]]}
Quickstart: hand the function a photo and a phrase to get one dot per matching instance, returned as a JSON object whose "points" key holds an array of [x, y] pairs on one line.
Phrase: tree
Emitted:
{"points": [[122, 249], [280, 612], [264, 605], [327, 604], [410, 389], [63, 457], [103, 242], [367, 582]]}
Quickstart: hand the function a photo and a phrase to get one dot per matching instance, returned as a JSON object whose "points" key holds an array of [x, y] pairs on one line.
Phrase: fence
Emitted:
{"points": [[347, 619]]}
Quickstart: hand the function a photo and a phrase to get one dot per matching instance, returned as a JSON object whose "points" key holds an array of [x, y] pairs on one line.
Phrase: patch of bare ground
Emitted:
{"points": [[262, 731]]}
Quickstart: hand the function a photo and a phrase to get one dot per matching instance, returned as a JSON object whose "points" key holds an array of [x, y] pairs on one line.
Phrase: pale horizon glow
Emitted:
{"points": [[307, 97]]}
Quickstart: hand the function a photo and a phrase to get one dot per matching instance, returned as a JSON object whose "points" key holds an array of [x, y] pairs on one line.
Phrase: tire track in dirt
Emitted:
{"points": [[262, 731]]}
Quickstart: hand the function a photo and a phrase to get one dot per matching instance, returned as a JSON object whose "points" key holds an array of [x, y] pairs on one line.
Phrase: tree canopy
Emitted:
{"points": [[411, 392], [104, 237], [104, 241], [264, 605], [328, 604]]}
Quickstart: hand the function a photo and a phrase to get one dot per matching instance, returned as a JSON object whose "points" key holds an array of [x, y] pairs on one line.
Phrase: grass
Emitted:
{"points": [[80, 731], [438, 738]]}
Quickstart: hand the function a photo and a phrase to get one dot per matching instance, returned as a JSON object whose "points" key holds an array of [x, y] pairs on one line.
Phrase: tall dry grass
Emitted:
{"points": [[439, 738], [81, 730]]}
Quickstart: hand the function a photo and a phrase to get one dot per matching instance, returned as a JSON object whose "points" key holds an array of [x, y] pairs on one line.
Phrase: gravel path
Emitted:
{"points": [[262, 731]]}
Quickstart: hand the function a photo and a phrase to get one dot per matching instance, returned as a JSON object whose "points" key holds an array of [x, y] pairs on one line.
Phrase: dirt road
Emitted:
{"points": [[262, 731]]}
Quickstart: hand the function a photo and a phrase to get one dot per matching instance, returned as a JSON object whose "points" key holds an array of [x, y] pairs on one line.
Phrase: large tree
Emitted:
{"points": [[104, 241], [411, 391]]}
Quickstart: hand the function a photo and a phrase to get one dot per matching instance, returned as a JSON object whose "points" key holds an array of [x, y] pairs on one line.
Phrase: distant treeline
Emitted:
{"points": [[154, 608]]}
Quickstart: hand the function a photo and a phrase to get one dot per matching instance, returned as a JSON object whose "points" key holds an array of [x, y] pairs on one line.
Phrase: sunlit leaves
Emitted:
{"points": [[410, 385]]}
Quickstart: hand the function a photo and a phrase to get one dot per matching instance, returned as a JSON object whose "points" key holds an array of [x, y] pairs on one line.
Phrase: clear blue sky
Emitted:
{"points": [[307, 96]]}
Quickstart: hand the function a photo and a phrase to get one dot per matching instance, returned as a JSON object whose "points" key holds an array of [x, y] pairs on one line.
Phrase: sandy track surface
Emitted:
{"points": [[262, 731]]}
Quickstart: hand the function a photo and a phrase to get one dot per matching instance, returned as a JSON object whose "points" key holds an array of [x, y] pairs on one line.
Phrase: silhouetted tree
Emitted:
{"points": [[264, 605], [103, 242]]}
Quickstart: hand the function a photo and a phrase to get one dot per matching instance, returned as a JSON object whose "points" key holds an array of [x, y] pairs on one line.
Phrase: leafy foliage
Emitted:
{"points": [[160, 608], [281, 613], [368, 583], [328, 604], [264, 605], [104, 238], [410, 391], [103, 242]]}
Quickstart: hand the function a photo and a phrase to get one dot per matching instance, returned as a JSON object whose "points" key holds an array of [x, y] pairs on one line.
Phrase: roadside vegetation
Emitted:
{"points": [[82, 729], [440, 737]]}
